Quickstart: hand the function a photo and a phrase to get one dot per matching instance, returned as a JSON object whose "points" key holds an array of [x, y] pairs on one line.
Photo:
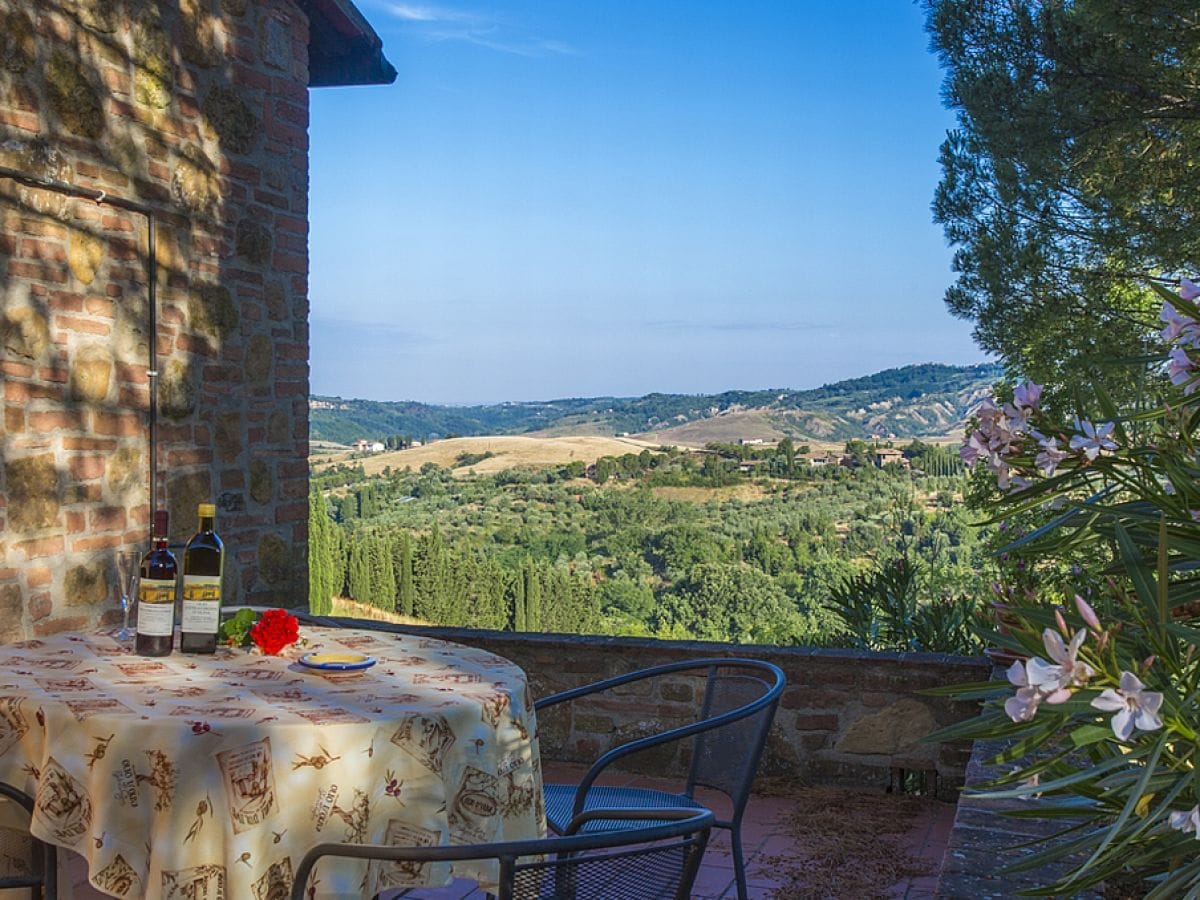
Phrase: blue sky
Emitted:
{"points": [[577, 198]]}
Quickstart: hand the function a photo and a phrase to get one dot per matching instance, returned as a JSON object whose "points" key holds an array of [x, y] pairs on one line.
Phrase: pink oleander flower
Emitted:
{"points": [[1028, 395], [1181, 369], [1188, 289], [1022, 706], [1179, 328], [1187, 822], [1094, 439], [1047, 461], [1068, 672], [1087, 614], [1135, 707], [974, 448]]}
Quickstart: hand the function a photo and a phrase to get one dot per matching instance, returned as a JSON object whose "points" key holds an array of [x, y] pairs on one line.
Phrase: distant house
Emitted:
{"points": [[881, 456], [365, 446]]}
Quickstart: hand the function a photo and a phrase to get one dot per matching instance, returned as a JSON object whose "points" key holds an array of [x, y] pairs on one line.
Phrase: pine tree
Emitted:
{"points": [[518, 602]]}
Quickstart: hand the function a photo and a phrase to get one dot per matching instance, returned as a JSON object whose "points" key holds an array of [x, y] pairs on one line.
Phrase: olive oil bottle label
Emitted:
{"points": [[156, 607], [201, 603]]}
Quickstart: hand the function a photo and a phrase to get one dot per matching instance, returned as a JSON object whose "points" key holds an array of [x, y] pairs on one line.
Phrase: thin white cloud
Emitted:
{"points": [[412, 12], [443, 23]]}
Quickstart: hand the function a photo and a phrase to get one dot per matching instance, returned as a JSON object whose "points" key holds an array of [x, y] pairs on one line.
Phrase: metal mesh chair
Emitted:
{"points": [[658, 861], [727, 739], [41, 858]]}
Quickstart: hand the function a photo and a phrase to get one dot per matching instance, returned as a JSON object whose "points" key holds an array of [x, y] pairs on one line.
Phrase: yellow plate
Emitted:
{"points": [[338, 661]]}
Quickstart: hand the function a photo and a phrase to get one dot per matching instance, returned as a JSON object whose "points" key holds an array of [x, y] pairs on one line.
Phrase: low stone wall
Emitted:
{"points": [[846, 717]]}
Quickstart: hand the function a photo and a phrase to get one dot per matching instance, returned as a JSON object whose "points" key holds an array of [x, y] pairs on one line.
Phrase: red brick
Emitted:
{"points": [[39, 576], [14, 419], [117, 423], [51, 546], [24, 391], [86, 443], [85, 468], [18, 269], [107, 518], [85, 326], [105, 542], [291, 512], [59, 625], [23, 120], [16, 369], [56, 419], [35, 249], [76, 522]]}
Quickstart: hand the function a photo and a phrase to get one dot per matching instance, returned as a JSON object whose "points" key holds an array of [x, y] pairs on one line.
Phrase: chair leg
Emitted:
{"points": [[739, 864]]}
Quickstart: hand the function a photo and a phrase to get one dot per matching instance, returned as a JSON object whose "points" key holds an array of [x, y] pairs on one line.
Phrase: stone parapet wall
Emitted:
{"points": [[846, 717], [197, 109]]}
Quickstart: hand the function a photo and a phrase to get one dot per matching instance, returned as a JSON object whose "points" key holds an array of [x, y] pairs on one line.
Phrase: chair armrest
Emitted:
{"points": [[704, 817]]}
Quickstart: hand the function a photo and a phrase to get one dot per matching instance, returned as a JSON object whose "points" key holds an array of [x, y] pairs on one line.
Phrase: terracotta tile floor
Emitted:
{"points": [[764, 838]]}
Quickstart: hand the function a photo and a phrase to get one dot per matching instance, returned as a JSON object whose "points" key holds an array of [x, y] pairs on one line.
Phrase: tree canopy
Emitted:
{"points": [[1071, 177]]}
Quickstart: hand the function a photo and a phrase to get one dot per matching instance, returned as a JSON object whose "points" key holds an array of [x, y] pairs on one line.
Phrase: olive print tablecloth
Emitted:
{"points": [[208, 778]]}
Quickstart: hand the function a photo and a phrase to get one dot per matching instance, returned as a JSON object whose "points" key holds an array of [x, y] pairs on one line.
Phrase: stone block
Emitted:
{"points": [[253, 242], [177, 389], [85, 253], [34, 490], [261, 483], [227, 437], [894, 730], [11, 613], [25, 332], [211, 311], [231, 119], [86, 585], [184, 493], [72, 97], [259, 354], [274, 560], [18, 50], [92, 374]]}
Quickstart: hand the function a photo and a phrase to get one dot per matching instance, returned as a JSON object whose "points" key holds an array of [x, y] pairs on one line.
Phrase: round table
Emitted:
{"points": [[210, 776]]}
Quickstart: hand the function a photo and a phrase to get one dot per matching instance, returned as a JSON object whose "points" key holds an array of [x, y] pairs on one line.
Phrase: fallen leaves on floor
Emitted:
{"points": [[848, 843]]}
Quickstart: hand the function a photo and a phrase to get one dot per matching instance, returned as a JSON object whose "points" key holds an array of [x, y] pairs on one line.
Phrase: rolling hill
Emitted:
{"points": [[928, 400]]}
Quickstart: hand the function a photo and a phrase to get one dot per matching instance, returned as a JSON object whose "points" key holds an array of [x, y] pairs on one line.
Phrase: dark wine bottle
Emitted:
{"points": [[203, 564], [157, 577]]}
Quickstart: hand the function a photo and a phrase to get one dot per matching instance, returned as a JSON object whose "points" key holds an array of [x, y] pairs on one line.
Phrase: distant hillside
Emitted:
{"points": [[928, 400]]}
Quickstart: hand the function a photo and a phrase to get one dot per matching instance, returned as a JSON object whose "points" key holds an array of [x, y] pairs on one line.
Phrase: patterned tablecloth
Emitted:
{"points": [[207, 777]]}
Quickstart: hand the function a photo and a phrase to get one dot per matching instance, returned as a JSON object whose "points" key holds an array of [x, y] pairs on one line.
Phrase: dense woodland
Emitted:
{"points": [[733, 544]]}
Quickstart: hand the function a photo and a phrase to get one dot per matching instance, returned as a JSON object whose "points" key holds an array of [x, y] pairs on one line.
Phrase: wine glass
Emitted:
{"points": [[127, 578]]}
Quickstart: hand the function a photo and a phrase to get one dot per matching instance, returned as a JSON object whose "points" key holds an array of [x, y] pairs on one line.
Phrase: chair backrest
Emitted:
{"points": [[42, 876], [657, 861], [726, 756]]}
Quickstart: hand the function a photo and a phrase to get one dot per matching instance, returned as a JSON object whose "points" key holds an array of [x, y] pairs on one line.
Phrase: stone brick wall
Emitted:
{"points": [[198, 109], [846, 717]]}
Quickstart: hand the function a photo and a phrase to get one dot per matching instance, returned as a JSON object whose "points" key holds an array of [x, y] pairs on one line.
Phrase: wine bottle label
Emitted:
{"points": [[156, 607], [201, 604]]}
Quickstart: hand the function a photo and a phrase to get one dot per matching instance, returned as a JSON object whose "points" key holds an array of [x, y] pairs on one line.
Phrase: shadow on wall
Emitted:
{"points": [[138, 100]]}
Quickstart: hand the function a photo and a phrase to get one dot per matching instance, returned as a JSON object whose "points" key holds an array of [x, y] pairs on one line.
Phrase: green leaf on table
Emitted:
{"points": [[235, 631]]}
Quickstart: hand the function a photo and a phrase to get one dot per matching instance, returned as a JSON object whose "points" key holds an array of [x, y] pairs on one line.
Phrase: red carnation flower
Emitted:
{"points": [[275, 630]]}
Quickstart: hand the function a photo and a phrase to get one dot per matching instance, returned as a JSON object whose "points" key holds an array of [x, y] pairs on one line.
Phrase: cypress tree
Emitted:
{"points": [[518, 602], [405, 590], [323, 568], [533, 597]]}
